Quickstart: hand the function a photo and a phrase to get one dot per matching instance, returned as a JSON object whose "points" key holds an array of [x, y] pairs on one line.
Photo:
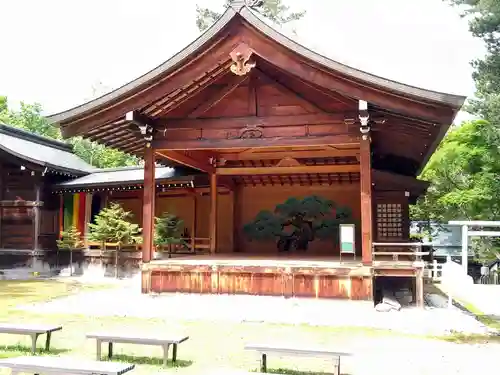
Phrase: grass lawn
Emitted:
{"points": [[211, 344]]}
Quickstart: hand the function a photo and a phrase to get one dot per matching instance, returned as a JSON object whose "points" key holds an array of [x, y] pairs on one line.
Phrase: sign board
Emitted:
{"points": [[347, 238]]}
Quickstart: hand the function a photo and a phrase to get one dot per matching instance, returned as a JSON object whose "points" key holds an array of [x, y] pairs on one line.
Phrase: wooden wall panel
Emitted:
{"points": [[333, 287], [234, 105], [130, 201], [272, 102], [361, 288], [266, 284], [391, 198], [252, 199], [303, 286], [229, 280], [181, 206], [225, 220]]}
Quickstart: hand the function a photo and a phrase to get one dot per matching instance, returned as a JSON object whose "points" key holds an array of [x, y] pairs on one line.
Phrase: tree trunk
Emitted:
{"points": [[116, 260], [71, 261]]}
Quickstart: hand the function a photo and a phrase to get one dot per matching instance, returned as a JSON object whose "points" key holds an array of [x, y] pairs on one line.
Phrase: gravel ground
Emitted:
{"points": [[127, 301]]}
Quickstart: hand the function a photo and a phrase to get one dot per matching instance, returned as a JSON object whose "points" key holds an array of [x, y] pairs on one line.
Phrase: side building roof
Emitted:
{"points": [[127, 176], [42, 151]]}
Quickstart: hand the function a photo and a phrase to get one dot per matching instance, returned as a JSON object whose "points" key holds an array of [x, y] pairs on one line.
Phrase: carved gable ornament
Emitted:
{"points": [[242, 64]]}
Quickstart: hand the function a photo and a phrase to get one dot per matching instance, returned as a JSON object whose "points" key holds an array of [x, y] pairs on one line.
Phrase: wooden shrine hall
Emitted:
{"points": [[271, 120]]}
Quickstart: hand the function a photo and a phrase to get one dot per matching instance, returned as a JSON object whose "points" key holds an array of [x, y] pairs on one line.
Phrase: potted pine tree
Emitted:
{"points": [[113, 224]]}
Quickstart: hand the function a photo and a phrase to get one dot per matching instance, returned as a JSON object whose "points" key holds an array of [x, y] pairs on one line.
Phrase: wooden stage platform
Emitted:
{"points": [[296, 275]]}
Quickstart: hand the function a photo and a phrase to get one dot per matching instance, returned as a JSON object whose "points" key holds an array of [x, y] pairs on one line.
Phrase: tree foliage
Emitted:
{"points": [[168, 230], [112, 224], [464, 174], [29, 117], [70, 239], [296, 222], [275, 10]]}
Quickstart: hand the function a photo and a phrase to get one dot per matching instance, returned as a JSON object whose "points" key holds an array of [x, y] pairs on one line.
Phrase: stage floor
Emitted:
{"points": [[285, 260]]}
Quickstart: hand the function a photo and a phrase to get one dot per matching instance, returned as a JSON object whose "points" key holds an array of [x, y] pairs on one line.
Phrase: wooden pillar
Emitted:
{"points": [[366, 201], [88, 214], [213, 213], [36, 217], [419, 287], [193, 225], [148, 204]]}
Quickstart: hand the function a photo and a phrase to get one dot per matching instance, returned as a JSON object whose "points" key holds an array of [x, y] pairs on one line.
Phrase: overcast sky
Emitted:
{"points": [[55, 51]]}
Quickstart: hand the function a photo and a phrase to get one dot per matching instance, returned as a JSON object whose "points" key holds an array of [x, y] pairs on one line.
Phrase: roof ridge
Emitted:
{"points": [[33, 137]]}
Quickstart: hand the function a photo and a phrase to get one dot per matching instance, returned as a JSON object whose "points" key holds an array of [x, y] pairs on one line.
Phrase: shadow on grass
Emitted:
{"points": [[285, 371], [22, 349], [155, 361], [463, 338]]}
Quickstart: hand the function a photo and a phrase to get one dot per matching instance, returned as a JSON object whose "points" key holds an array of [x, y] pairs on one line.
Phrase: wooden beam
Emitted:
{"points": [[303, 169], [366, 202], [188, 161], [217, 98], [262, 121], [307, 105], [213, 213], [305, 154], [137, 118], [148, 204], [201, 144], [252, 96]]}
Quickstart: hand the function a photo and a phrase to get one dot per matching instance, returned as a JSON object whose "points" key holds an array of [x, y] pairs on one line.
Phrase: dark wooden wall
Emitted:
{"points": [[21, 204]]}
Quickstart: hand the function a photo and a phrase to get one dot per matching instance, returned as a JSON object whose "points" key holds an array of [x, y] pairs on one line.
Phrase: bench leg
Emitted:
{"points": [[174, 353], [263, 363], [110, 349], [47, 341], [34, 337], [98, 350], [165, 354]]}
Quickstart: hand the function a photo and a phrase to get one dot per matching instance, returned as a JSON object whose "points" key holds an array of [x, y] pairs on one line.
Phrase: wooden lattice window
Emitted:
{"points": [[389, 221]]}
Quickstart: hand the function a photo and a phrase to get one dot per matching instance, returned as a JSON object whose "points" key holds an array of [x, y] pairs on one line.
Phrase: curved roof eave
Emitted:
{"points": [[149, 76], [75, 172], [435, 96], [455, 101]]}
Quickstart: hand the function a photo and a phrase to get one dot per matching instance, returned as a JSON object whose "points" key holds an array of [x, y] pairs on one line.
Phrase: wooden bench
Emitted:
{"points": [[294, 351], [62, 365], [33, 330], [140, 339]]}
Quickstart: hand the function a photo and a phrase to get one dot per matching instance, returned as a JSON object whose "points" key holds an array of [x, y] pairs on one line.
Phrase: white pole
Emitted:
{"points": [[450, 299], [465, 248]]}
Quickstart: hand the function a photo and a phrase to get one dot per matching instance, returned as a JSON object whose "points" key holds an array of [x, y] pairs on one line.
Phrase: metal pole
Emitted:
{"points": [[465, 248]]}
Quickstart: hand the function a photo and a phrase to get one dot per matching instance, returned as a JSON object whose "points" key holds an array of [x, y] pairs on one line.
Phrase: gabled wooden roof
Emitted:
{"points": [[163, 92]]}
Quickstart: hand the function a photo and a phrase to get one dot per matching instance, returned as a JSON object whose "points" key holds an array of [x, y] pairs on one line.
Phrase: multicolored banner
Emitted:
{"points": [[73, 212]]}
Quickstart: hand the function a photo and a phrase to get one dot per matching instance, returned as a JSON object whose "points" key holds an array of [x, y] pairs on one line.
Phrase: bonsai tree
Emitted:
{"points": [[70, 240], [296, 222], [169, 230], [112, 224]]}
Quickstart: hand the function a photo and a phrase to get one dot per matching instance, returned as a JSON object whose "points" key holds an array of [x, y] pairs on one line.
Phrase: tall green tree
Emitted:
{"points": [[29, 117], [484, 23], [275, 10], [464, 177]]}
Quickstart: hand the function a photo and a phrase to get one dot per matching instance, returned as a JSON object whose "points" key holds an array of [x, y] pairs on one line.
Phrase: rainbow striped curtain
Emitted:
{"points": [[73, 211]]}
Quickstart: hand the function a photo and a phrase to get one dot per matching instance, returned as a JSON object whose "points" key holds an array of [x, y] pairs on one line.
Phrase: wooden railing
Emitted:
{"points": [[434, 271], [191, 245], [412, 250]]}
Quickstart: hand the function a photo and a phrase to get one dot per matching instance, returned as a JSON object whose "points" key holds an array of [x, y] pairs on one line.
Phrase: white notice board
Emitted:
{"points": [[347, 238]]}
